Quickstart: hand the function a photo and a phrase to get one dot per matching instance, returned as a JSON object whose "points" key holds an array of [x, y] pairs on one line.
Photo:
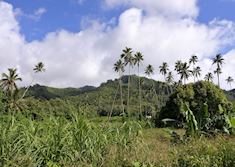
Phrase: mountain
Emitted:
{"points": [[45, 92], [103, 99], [99, 100]]}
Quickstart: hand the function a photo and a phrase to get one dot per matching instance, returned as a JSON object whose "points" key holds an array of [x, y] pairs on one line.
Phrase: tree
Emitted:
{"points": [[164, 69], [129, 60], [193, 60], [218, 60], [184, 72], [170, 78], [209, 77], [119, 68], [38, 68], [149, 70], [138, 58], [196, 72], [178, 65], [8, 82], [10, 89], [229, 81], [218, 72], [207, 102]]}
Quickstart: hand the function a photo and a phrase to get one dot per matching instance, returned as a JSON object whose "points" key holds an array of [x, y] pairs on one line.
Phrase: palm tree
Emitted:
{"points": [[129, 60], [149, 70], [178, 65], [197, 72], [119, 68], [170, 78], [209, 77], [10, 89], [138, 58], [184, 72], [218, 72], [164, 69], [229, 81], [8, 82], [37, 69], [218, 60], [193, 60]]}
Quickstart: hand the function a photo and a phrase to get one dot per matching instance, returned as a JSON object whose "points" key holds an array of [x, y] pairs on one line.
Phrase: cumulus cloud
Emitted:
{"points": [[87, 57], [166, 7]]}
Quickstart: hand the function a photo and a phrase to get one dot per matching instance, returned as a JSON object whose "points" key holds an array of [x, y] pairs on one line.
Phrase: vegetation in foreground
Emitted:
{"points": [[77, 141]]}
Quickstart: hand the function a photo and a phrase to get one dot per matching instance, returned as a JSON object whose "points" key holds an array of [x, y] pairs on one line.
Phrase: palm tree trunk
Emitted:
{"points": [[27, 89], [128, 96], [155, 94], [110, 114], [140, 110], [120, 83], [218, 79]]}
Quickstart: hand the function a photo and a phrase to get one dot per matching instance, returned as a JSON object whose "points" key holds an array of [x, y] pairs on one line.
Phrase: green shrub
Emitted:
{"points": [[207, 102]]}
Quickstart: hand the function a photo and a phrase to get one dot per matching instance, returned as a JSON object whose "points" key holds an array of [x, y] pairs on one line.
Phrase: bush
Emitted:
{"points": [[208, 103]]}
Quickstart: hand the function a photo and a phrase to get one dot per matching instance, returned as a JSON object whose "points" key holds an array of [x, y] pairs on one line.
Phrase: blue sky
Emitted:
{"points": [[61, 14], [70, 15]]}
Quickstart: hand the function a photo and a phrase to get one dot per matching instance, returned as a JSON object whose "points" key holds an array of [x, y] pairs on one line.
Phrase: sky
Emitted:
{"points": [[80, 40]]}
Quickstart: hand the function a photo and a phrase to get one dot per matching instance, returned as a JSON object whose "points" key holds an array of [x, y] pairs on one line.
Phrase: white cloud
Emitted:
{"points": [[35, 16], [166, 7], [87, 57]]}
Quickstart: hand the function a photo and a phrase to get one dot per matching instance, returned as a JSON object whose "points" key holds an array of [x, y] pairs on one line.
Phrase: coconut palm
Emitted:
{"points": [[196, 72], [10, 89], [229, 81], [8, 82], [178, 65], [170, 78], [119, 68], [149, 70], [37, 69], [193, 60], [128, 60], [184, 72], [164, 69], [209, 77], [138, 58], [218, 60], [218, 72]]}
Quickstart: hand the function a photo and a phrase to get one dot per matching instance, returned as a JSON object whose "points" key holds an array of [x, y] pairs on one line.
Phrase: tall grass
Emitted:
{"points": [[57, 141]]}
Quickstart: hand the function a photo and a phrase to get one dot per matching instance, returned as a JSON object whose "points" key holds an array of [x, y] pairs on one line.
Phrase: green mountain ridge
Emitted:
{"points": [[104, 99], [47, 93]]}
